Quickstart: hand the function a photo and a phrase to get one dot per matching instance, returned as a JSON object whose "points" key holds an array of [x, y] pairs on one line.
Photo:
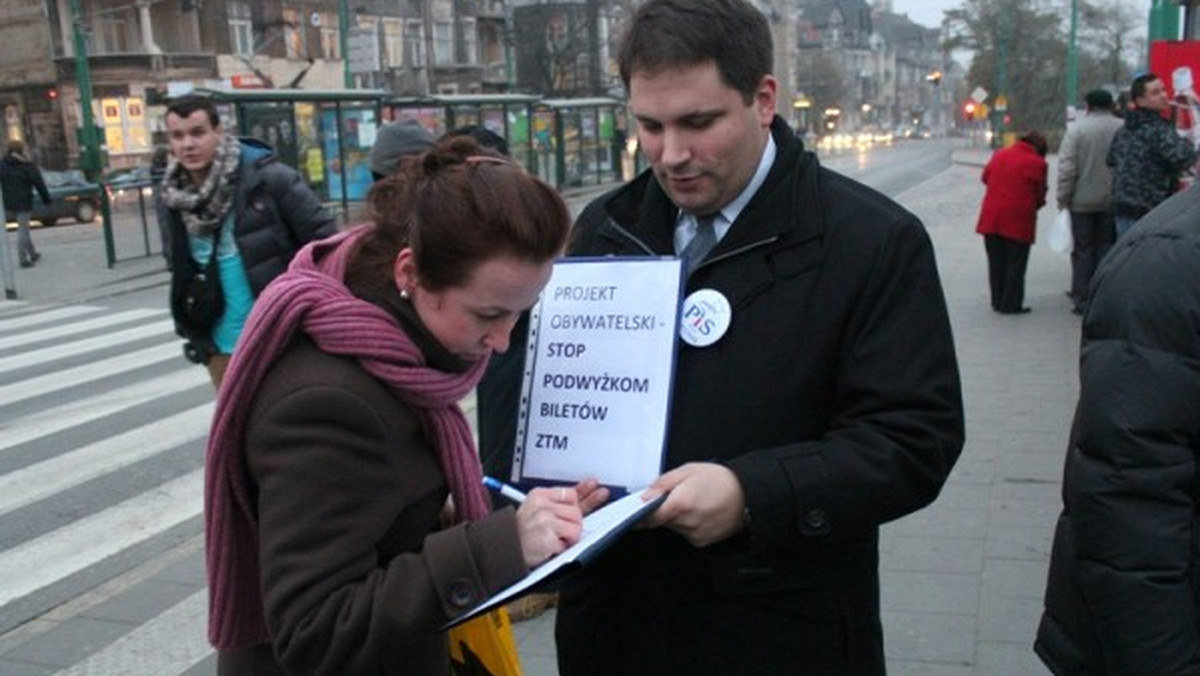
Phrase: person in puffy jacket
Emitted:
{"points": [[1016, 189], [1147, 155], [1123, 593], [232, 196]]}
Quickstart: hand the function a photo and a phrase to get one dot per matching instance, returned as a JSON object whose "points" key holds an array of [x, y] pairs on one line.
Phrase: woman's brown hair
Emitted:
{"points": [[456, 205]]}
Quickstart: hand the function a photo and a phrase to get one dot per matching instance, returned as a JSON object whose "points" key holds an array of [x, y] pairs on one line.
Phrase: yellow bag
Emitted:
{"points": [[484, 646]]}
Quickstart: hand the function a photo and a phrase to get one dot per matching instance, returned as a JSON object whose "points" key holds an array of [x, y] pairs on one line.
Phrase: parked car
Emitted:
{"points": [[123, 184], [71, 196]]}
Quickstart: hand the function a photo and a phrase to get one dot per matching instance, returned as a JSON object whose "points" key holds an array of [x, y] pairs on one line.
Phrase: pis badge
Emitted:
{"points": [[706, 317]]}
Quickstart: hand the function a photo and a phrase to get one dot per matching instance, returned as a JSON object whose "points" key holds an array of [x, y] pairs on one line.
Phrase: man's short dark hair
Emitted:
{"points": [[187, 104], [1098, 99], [666, 34], [1138, 89]]}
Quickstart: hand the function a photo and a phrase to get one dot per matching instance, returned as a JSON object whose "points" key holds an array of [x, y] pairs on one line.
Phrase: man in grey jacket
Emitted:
{"points": [[1085, 188]]}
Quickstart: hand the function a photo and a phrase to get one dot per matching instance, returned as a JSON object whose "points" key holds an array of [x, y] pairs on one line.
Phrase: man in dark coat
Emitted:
{"points": [[18, 179], [828, 403], [1123, 595], [237, 215]]}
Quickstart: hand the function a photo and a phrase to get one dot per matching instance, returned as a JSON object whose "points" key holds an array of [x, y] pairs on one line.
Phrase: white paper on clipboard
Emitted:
{"points": [[596, 390]]}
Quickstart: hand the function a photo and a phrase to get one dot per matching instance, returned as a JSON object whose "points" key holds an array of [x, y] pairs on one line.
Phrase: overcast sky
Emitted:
{"points": [[929, 12]]}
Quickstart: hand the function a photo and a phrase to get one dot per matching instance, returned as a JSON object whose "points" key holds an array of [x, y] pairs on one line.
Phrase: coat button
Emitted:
{"points": [[460, 594], [816, 518]]}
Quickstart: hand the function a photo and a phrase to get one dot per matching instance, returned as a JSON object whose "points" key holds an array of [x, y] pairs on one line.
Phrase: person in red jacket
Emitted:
{"points": [[1016, 189]]}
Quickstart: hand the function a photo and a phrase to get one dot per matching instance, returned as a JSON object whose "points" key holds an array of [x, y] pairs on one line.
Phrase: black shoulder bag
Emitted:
{"points": [[200, 299]]}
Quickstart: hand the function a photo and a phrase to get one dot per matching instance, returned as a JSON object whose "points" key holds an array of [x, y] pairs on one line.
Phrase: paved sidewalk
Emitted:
{"points": [[962, 580]]}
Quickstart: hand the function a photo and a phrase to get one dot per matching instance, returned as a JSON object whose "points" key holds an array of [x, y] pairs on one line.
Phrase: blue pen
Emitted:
{"points": [[504, 489]]}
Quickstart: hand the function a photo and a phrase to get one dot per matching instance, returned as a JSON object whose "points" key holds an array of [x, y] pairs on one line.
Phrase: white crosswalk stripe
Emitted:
{"points": [[102, 430], [54, 353]]}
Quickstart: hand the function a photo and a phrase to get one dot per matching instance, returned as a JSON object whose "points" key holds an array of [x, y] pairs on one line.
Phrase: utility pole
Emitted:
{"points": [[6, 268], [89, 152], [344, 39], [1001, 81], [1073, 57]]}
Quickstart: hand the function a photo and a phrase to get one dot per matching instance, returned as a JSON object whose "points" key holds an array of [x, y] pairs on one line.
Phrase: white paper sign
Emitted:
{"points": [[598, 372]]}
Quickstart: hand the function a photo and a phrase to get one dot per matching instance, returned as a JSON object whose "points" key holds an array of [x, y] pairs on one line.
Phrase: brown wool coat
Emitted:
{"points": [[357, 574]]}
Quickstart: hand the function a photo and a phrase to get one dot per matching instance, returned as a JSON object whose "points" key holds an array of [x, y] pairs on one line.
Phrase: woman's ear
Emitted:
{"points": [[404, 270]]}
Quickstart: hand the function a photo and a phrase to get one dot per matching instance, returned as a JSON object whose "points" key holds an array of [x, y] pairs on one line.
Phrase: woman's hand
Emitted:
{"points": [[549, 521]]}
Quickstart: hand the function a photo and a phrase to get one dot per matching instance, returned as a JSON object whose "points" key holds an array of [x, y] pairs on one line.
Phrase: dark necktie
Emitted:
{"points": [[702, 242]]}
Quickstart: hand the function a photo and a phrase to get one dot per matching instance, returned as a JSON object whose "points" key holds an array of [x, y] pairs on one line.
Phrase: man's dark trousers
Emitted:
{"points": [[1093, 233]]}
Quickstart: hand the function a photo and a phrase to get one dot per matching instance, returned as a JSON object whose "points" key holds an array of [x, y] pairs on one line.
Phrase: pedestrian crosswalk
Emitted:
{"points": [[102, 431]]}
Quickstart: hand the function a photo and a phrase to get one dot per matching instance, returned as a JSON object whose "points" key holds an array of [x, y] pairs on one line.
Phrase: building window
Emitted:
{"points": [[331, 45], [294, 34], [393, 43], [443, 43], [414, 43], [241, 32], [470, 41], [111, 34], [124, 122]]}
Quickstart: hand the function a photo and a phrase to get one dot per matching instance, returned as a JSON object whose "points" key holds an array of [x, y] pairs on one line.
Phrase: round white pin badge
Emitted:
{"points": [[706, 317]]}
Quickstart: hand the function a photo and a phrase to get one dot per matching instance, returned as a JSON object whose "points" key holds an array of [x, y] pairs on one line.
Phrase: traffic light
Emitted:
{"points": [[969, 110]]}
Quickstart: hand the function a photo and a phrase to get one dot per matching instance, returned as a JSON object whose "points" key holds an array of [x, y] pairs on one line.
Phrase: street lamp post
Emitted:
{"points": [[1073, 57], [89, 151], [344, 38]]}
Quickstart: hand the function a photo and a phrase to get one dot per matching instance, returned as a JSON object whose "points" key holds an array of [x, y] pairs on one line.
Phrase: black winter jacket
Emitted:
{"points": [[1123, 596], [18, 179], [275, 214], [1147, 156], [834, 397]]}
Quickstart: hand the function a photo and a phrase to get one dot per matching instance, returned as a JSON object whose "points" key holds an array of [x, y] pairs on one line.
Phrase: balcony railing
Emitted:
{"points": [[199, 64]]}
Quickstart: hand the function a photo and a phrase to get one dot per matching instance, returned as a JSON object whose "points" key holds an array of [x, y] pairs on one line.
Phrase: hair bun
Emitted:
{"points": [[450, 152]]}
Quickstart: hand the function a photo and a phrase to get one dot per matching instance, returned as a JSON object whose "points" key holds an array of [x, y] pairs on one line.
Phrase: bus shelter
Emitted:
{"points": [[579, 142], [325, 134], [509, 115]]}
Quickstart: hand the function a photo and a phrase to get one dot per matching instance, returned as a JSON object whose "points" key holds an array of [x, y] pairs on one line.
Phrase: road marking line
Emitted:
{"points": [[86, 373], [41, 562], [47, 316], [83, 326], [49, 421], [65, 350], [36, 482]]}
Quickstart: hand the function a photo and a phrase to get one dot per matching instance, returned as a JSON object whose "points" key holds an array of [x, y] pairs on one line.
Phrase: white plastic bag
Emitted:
{"points": [[1059, 237]]}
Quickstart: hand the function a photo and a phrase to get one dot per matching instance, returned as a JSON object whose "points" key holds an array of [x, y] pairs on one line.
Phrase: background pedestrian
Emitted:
{"points": [[1016, 188], [237, 216], [1085, 188], [1147, 155], [19, 178]]}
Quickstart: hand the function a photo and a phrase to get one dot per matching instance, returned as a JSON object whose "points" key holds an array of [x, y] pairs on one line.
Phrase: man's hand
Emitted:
{"points": [[705, 505], [591, 495]]}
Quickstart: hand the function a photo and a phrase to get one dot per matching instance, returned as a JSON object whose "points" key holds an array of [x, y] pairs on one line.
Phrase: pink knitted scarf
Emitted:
{"points": [[310, 297]]}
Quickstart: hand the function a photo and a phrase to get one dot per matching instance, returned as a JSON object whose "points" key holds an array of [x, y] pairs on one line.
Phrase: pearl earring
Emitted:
{"points": [[404, 294]]}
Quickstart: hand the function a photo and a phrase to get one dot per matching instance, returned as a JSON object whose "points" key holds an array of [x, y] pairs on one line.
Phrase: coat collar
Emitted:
{"points": [[644, 211]]}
